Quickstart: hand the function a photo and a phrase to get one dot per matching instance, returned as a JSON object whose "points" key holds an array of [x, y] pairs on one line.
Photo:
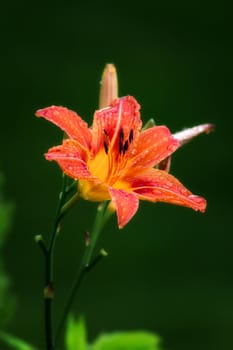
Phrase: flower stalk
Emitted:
{"points": [[49, 272], [87, 263], [48, 252]]}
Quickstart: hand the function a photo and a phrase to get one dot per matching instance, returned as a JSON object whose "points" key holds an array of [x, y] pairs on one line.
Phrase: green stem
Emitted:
{"points": [[69, 204], [97, 227], [49, 273], [48, 252], [86, 264], [72, 186], [77, 283]]}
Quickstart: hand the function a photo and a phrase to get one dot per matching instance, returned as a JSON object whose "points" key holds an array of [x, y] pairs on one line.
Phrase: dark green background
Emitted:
{"points": [[170, 270]]}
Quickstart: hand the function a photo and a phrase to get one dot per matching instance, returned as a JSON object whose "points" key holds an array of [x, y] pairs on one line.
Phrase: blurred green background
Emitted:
{"points": [[170, 270]]}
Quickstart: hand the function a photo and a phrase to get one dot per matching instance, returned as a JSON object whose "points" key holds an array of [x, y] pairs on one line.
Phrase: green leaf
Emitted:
{"points": [[14, 342], [149, 124], [75, 337], [138, 340]]}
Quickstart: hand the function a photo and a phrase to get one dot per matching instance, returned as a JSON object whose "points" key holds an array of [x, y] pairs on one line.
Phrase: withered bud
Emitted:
{"points": [[187, 135]]}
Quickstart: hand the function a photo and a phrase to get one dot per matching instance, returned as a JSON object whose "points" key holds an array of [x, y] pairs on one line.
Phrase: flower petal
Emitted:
{"points": [[70, 158], [69, 122], [122, 114], [159, 186], [126, 205], [154, 145]]}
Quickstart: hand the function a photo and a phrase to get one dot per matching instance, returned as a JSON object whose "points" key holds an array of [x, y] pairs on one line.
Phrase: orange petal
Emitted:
{"points": [[154, 145], [69, 122], [70, 159], [126, 205], [123, 113], [159, 186]]}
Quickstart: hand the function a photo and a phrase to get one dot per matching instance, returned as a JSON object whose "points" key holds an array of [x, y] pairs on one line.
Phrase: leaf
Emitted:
{"points": [[75, 337], [14, 342], [149, 124], [137, 340]]}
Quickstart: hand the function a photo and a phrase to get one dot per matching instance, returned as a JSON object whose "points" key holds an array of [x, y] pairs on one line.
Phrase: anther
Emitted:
{"points": [[105, 147], [126, 146], [121, 134], [121, 146], [131, 135]]}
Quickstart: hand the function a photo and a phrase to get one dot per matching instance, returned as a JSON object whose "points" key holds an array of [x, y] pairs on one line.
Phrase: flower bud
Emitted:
{"points": [[108, 86]]}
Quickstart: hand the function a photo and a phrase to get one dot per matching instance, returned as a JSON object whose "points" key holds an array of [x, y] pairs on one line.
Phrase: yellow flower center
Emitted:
{"points": [[107, 167]]}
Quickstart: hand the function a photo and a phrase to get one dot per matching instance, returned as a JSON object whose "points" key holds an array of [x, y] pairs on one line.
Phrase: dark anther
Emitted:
{"points": [[131, 135], [105, 133], [121, 146], [126, 146], [121, 134], [105, 147]]}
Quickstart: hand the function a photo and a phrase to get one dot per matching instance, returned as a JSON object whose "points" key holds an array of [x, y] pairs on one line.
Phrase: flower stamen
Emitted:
{"points": [[126, 146], [106, 141], [131, 135], [121, 146], [105, 147]]}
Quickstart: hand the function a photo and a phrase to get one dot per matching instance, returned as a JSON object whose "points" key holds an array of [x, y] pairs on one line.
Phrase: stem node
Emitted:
{"points": [[49, 291]]}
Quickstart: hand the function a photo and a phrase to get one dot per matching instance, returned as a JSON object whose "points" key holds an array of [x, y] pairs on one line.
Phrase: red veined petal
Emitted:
{"points": [[159, 186], [154, 145], [69, 122], [70, 159], [122, 114], [126, 205]]}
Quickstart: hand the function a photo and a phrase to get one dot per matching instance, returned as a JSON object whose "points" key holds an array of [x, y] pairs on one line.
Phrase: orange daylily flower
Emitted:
{"points": [[115, 160]]}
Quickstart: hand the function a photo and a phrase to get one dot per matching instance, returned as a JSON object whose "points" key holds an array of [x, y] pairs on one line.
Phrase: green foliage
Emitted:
{"points": [[14, 342], [6, 300], [135, 340], [5, 215], [149, 124], [76, 338], [75, 334]]}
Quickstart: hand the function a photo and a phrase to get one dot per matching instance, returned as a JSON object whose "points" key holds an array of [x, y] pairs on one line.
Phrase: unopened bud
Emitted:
{"points": [[108, 86], [103, 252], [38, 238]]}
